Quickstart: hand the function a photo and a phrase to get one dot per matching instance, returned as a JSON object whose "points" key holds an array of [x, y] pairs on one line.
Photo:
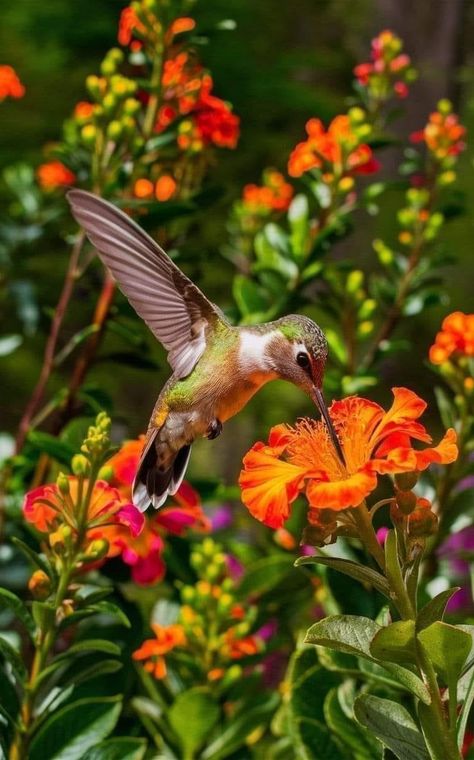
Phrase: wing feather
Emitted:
{"points": [[174, 309]]}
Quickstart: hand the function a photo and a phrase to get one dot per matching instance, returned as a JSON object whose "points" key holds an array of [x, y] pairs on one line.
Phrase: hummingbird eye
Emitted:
{"points": [[303, 360]]}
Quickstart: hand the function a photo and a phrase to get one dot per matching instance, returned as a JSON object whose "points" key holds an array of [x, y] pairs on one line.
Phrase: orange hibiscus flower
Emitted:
{"points": [[373, 442], [152, 651]]}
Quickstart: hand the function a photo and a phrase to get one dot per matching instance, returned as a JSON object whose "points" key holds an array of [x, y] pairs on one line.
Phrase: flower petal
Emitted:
{"points": [[269, 486], [341, 494], [444, 453], [130, 516]]}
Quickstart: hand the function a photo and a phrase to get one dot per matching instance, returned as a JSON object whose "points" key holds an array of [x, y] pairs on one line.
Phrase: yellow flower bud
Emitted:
{"points": [[97, 549], [40, 585], [345, 184], [80, 465], [114, 130], [89, 134], [62, 482]]}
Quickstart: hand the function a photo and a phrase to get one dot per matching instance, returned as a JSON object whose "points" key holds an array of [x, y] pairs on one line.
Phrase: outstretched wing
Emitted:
{"points": [[173, 307]]}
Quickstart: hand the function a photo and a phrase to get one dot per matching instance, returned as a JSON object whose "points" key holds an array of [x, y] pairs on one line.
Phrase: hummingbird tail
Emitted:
{"points": [[153, 482]]}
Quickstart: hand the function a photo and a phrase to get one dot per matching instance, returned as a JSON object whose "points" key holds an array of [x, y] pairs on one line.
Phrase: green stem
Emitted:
{"points": [[367, 534]]}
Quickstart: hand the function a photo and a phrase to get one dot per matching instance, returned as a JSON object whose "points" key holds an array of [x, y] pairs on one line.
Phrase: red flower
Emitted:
{"points": [[336, 150], [10, 85], [54, 174], [374, 442], [274, 195], [389, 70], [455, 338], [128, 24]]}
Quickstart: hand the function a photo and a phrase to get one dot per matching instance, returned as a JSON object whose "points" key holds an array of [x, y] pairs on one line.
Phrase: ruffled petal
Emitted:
{"points": [[341, 494], [406, 406], [444, 453], [269, 486]]}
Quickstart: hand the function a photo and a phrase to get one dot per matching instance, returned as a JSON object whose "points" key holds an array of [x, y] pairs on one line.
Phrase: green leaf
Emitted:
{"points": [[44, 613], [466, 697], [14, 603], [434, 609], [393, 725], [9, 344], [433, 740], [353, 634], [315, 742], [239, 727], [92, 645], [269, 257], [395, 642], [14, 658], [265, 574], [348, 567], [33, 556], [309, 692], [192, 716], [298, 213], [447, 410], [78, 676], [336, 345], [126, 748], [49, 444], [248, 296], [113, 610], [361, 744], [447, 647], [74, 729]]}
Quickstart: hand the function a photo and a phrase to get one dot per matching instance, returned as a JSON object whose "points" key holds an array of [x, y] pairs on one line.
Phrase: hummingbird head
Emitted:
{"points": [[300, 357]]}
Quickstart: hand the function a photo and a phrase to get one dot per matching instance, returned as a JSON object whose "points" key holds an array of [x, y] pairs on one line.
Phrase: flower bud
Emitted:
{"points": [[232, 674], [109, 102], [131, 106], [62, 482], [114, 130], [40, 585], [188, 594], [80, 465], [406, 501], [354, 281], [94, 85], [89, 134], [422, 522], [407, 480], [225, 603], [108, 66], [345, 184], [97, 549], [365, 328]]}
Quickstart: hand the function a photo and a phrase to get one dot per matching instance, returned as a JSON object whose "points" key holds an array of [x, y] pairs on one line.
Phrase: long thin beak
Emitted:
{"points": [[323, 410]]}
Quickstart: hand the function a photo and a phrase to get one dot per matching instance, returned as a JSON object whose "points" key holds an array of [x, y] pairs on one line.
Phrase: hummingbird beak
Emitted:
{"points": [[318, 399]]}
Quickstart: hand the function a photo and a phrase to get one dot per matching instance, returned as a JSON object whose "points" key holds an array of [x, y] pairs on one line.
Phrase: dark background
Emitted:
{"points": [[281, 65]]}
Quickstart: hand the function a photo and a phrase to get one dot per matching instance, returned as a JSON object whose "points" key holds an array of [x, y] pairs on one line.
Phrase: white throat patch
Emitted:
{"points": [[252, 351]]}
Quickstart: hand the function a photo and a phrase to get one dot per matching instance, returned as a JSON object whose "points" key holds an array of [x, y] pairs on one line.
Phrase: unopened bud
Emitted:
{"points": [[407, 480], [62, 482], [422, 522], [97, 549], [40, 585], [406, 501], [88, 134], [80, 465], [114, 130]]}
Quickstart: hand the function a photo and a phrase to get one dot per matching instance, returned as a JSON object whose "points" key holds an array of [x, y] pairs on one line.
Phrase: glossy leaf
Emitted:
{"points": [[113, 610], [192, 716], [393, 725], [126, 748], [348, 567], [33, 556], [74, 729], [14, 603]]}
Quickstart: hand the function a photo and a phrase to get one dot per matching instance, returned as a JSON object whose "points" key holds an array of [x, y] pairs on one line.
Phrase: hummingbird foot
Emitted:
{"points": [[215, 428]]}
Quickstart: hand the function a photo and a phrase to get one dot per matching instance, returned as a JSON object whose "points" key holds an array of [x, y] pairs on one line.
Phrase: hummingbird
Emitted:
{"points": [[217, 367]]}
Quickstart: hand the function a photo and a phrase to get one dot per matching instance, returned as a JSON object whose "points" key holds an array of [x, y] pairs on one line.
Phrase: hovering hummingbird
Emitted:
{"points": [[216, 367]]}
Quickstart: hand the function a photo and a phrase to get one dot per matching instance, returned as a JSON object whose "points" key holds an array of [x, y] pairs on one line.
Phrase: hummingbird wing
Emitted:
{"points": [[174, 309]]}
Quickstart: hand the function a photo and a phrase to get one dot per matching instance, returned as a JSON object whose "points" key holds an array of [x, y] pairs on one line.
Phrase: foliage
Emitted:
{"points": [[204, 634]]}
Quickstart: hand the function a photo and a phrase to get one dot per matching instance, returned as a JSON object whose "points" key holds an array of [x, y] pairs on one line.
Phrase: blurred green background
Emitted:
{"points": [[282, 64]]}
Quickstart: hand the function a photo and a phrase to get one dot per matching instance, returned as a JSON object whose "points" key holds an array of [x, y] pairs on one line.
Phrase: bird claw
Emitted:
{"points": [[214, 429]]}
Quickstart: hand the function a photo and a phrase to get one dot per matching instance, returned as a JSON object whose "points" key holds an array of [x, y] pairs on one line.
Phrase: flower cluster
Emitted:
{"points": [[337, 153], [54, 174], [10, 85], [455, 339], [303, 459], [443, 136], [212, 625], [144, 552], [389, 72], [79, 516], [274, 194], [419, 224]]}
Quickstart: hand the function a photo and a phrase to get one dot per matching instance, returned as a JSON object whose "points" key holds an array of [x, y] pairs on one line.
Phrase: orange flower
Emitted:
{"points": [[83, 110], [389, 69], [235, 648], [152, 651], [373, 442], [165, 188], [180, 25], [10, 85], [443, 135], [143, 188], [336, 150], [54, 174], [47, 508], [456, 337], [274, 195], [128, 24]]}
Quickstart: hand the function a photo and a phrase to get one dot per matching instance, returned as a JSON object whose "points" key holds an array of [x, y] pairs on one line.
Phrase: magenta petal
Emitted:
{"points": [[132, 518], [175, 520], [148, 569]]}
